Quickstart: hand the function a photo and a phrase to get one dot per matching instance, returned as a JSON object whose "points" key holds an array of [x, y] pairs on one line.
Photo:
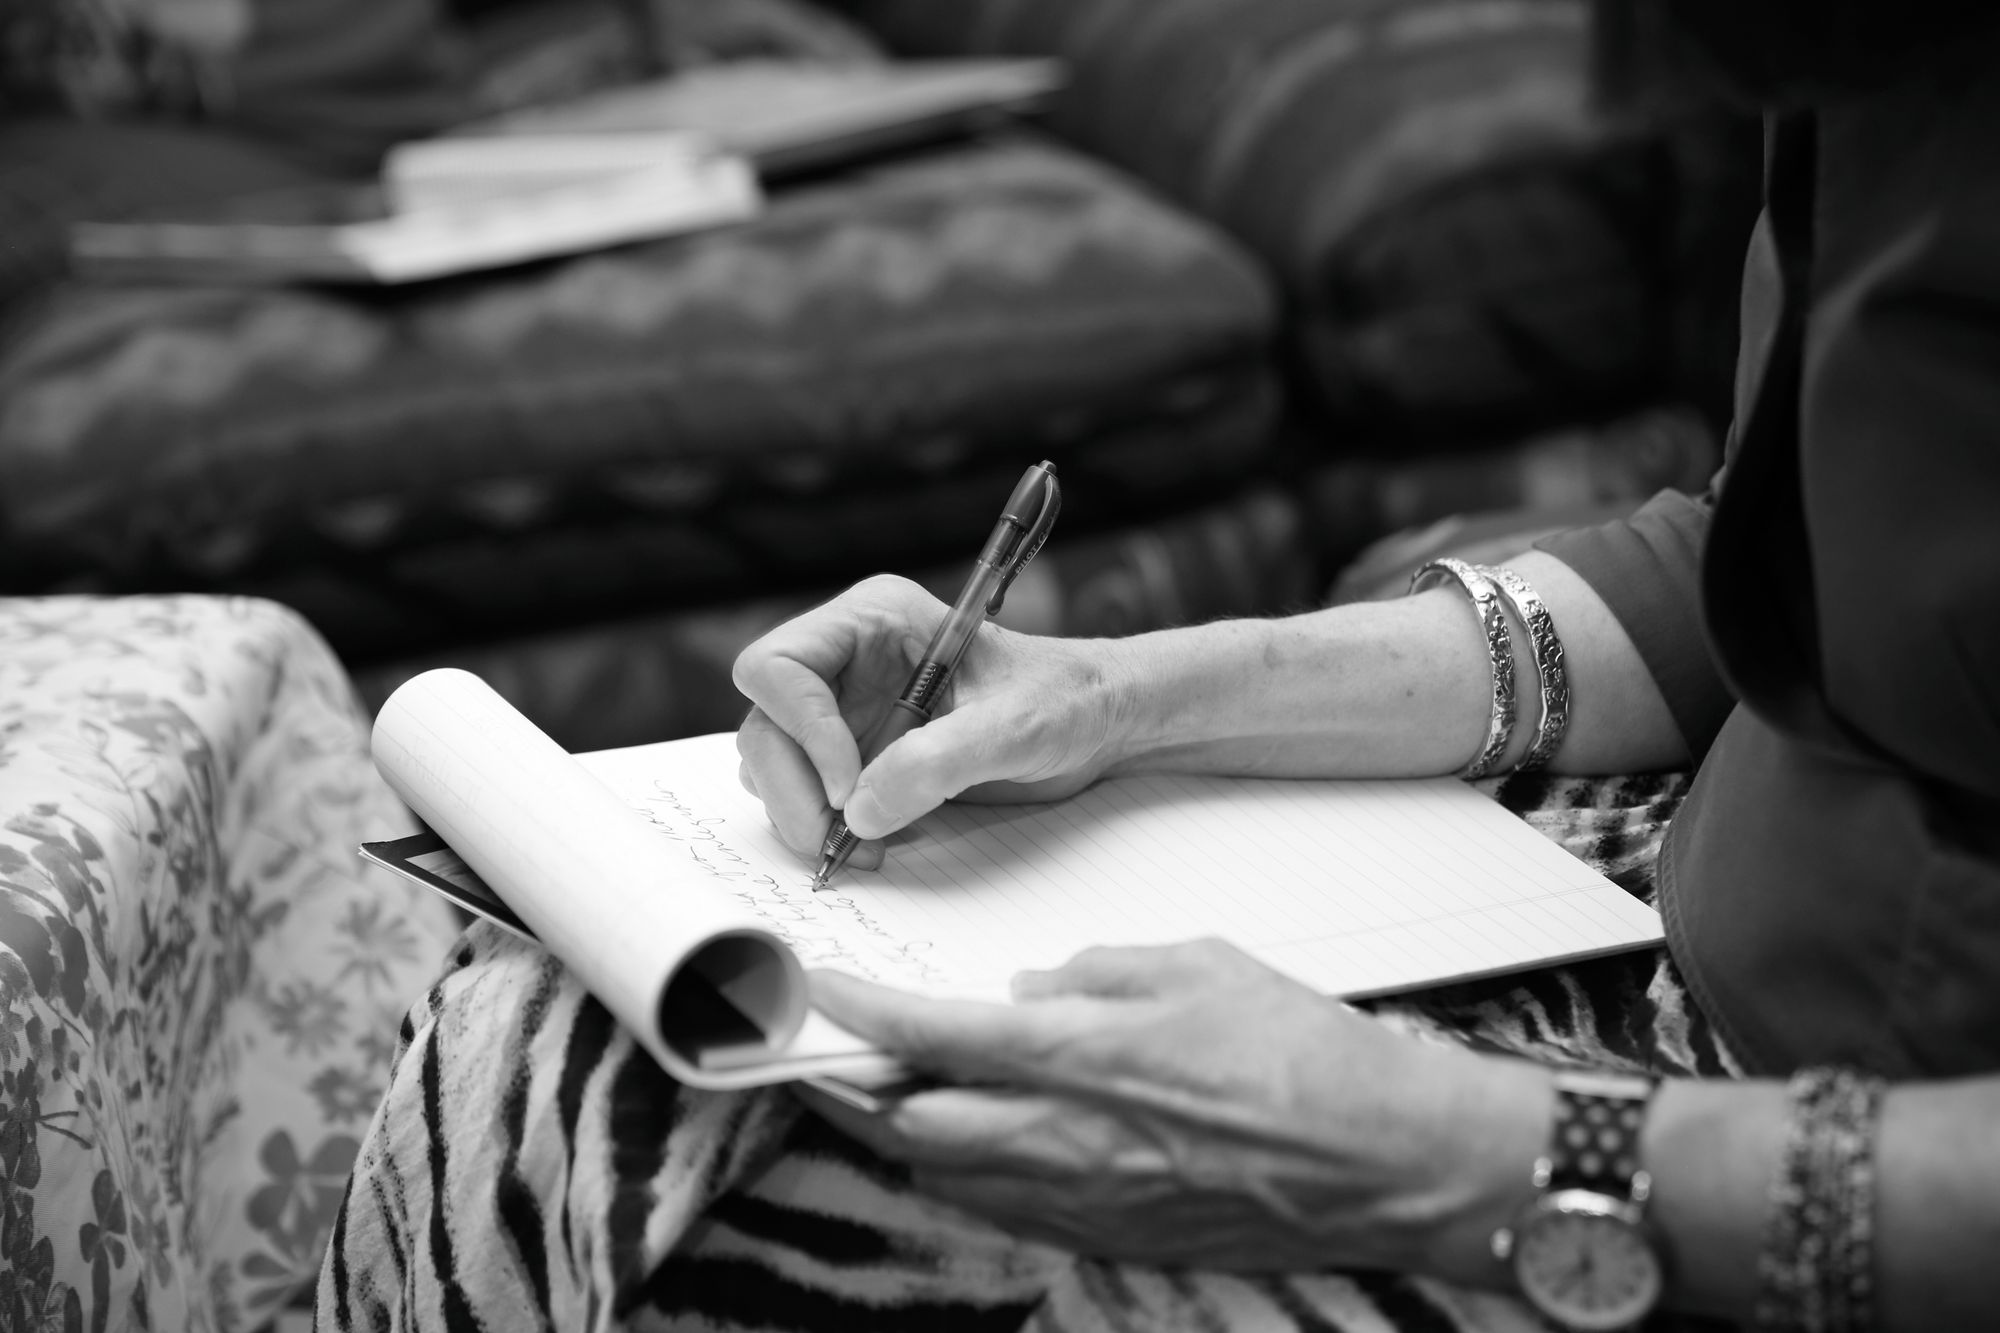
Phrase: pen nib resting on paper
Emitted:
{"points": [[1023, 527], [833, 853]]}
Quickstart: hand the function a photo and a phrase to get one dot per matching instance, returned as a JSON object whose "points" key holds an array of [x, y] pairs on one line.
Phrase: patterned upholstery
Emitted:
{"points": [[1468, 244], [843, 385], [200, 982]]}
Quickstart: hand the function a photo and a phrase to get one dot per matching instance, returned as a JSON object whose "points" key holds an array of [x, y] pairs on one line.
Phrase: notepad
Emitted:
{"points": [[654, 875]]}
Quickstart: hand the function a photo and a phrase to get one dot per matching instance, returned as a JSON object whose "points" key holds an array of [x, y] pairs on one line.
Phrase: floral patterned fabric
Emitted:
{"points": [[200, 983]]}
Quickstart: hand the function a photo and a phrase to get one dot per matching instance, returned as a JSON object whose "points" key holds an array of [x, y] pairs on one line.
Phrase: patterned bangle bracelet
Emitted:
{"points": [[1499, 653], [1549, 665], [1816, 1271]]}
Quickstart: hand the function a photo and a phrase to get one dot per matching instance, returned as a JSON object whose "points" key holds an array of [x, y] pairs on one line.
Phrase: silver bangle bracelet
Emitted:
{"points": [[1499, 653], [1550, 667]]}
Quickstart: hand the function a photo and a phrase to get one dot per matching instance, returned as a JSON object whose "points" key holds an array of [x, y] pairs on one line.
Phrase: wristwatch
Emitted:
{"points": [[1582, 1252]]}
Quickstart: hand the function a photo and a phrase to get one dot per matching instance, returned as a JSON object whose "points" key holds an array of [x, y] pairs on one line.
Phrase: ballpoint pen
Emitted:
{"points": [[1023, 527]]}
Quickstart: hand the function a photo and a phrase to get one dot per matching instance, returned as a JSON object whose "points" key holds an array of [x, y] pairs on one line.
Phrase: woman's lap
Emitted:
{"points": [[532, 1167]]}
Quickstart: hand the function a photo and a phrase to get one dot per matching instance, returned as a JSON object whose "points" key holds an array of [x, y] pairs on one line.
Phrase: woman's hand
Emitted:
{"points": [[1025, 718], [1189, 1106]]}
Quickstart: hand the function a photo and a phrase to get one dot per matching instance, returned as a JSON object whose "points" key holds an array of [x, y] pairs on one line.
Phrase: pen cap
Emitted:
{"points": [[1024, 506], [1023, 527]]}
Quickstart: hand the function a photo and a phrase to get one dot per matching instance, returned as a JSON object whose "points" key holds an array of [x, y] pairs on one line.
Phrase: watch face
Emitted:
{"points": [[1588, 1266]]}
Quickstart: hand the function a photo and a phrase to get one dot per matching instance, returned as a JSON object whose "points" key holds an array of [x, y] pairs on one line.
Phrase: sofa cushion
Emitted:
{"points": [[850, 382], [1466, 241]]}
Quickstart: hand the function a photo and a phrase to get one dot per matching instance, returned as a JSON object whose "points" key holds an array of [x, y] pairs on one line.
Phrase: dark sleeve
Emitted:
{"points": [[1647, 568]]}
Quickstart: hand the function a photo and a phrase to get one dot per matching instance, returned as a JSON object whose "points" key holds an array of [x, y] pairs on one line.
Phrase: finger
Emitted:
{"points": [[1134, 972], [1024, 1206], [925, 768], [868, 1127], [1007, 1132], [1014, 791], [781, 775], [797, 805], [800, 702], [874, 628], [970, 1130], [966, 1039], [1105, 972]]}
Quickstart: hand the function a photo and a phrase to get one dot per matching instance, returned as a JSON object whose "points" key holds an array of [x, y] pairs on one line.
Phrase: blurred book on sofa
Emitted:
{"points": [[633, 163], [434, 215], [789, 116]]}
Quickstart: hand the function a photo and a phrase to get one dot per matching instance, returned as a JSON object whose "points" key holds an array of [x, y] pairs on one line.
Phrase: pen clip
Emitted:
{"points": [[1037, 533]]}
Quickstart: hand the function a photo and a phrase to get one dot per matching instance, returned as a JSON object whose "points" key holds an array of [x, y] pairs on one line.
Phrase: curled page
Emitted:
{"points": [[700, 981]]}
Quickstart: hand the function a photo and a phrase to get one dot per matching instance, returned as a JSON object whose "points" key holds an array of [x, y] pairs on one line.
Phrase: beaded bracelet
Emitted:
{"points": [[1816, 1272], [1499, 653], [1550, 667]]}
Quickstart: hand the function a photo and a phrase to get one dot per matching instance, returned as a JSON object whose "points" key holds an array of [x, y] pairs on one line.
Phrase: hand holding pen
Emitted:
{"points": [[1023, 526]]}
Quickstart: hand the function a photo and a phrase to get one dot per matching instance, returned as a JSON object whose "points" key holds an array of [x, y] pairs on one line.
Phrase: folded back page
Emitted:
{"points": [[592, 881]]}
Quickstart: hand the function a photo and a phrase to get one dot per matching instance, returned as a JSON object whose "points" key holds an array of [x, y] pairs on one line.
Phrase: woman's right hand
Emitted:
{"points": [[1025, 718]]}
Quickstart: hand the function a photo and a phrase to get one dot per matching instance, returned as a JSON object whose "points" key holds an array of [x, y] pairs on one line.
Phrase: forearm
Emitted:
{"points": [[1383, 689]]}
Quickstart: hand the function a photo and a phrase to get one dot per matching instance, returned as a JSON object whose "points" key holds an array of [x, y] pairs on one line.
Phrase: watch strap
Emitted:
{"points": [[1594, 1141]]}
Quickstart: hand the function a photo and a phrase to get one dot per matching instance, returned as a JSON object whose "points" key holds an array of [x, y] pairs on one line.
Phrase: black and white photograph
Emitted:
{"points": [[999, 666]]}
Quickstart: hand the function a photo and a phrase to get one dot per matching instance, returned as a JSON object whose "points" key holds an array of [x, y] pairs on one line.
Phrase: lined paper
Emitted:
{"points": [[1354, 888]]}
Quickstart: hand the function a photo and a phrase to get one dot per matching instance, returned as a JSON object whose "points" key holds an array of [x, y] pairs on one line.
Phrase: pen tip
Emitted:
{"points": [[819, 882]]}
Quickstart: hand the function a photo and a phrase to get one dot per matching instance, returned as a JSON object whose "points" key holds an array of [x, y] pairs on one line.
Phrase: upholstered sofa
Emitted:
{"points": [[1271, 278]]}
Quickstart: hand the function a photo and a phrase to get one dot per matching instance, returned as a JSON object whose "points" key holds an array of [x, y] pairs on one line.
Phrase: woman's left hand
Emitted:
{"points": [[1189, 1106]]}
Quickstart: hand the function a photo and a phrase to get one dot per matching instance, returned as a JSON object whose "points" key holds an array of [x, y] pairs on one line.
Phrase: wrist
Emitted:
{"points": [[1712, 1146], [1121, 701], [1499, 1124], [1175, 691]]}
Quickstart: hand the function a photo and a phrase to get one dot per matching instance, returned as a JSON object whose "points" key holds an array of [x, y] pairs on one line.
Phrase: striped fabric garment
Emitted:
{"points": [[532, 1168]]}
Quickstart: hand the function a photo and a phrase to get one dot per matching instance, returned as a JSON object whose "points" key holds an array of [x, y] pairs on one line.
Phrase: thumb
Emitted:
{"points": [[1124, 973], [923, 769], [1104, 972], [964, 1038]]}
